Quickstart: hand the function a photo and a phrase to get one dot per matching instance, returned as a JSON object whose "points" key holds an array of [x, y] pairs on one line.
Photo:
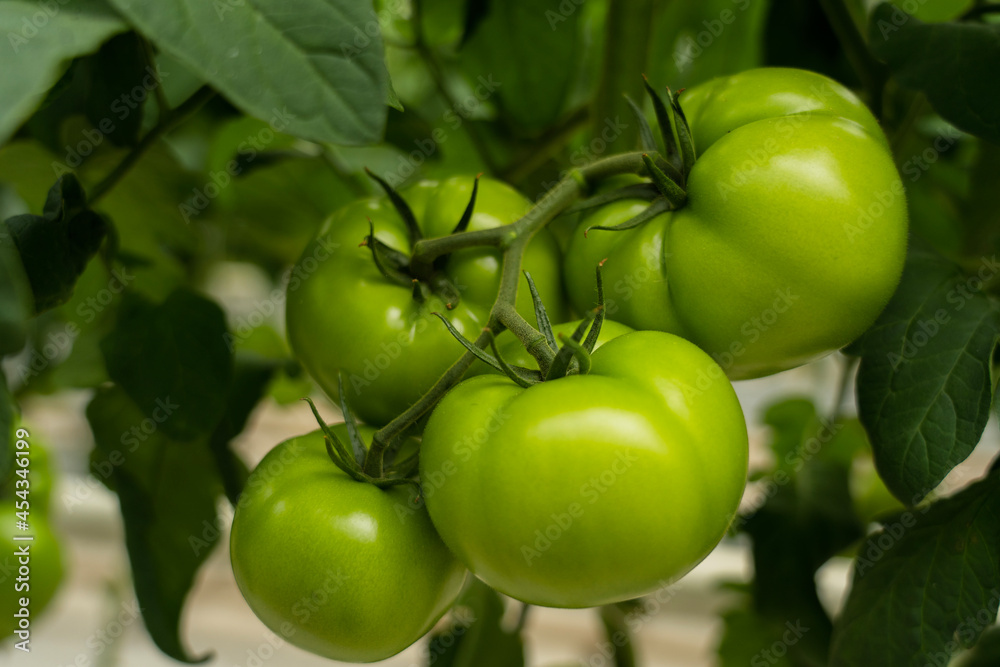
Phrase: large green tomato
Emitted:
{"points": [[335, 566], [792, 238], [589, 489], [345, 317], [44, 569]]}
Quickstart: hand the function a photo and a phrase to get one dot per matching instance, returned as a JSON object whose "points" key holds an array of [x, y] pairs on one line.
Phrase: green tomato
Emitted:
{"points": [[335, 566], [45, 569], [792, 238], [515, 354], [345, 317], [589, 489]]}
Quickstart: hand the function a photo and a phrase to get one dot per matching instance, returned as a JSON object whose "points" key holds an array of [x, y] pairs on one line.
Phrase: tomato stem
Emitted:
{"points": [[513, 239]]}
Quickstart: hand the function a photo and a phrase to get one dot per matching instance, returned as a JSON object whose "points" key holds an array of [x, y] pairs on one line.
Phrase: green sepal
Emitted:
{"points": [[645, 191], [561, 363], [688, 156], [580, 353], [645, 131], [466, 218], [667, 186], [541, 317], [469, 345], [524, 377], [336, 449], [404, 210], [384, 259], [595, 331], [656, 208], [360, 451], [666, 122]]}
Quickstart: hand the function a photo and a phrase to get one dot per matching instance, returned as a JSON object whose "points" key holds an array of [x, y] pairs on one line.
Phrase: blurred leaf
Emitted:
{"points": [[477, 638], [172, 358], [954, 64], [926, 379], [179, 82], [939, 10], [798, 34], [120, 82], [167, 491], [144, 204], [546, 32], [16, 301], [43, 38], [314, 72], [56, 246], [925, 586], [696, 41]]}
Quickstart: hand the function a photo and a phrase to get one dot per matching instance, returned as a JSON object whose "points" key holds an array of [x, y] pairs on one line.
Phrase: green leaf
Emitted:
{"points": [[954, 64], [313, 70], [42, 39], [16, 301], [476, 637], [172, 360], [926, 378], [532, 96], [167, 491], [925, 586], [56, 246]]}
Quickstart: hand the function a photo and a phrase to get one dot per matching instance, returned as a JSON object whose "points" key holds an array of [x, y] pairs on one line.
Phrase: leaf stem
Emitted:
{"points": [[503, 315], [617, 630], [166, 123]]}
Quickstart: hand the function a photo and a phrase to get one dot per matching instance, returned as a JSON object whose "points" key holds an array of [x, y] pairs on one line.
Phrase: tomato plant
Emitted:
{"points": [[589, 489]]}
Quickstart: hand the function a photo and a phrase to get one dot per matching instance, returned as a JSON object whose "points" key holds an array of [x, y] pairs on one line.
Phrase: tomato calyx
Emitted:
{"points": [[353, 457], [568, 355], [667, 167], [409, 270]]}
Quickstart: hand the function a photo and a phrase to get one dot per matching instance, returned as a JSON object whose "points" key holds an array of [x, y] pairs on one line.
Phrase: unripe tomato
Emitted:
{"points": [[336, 566]]}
